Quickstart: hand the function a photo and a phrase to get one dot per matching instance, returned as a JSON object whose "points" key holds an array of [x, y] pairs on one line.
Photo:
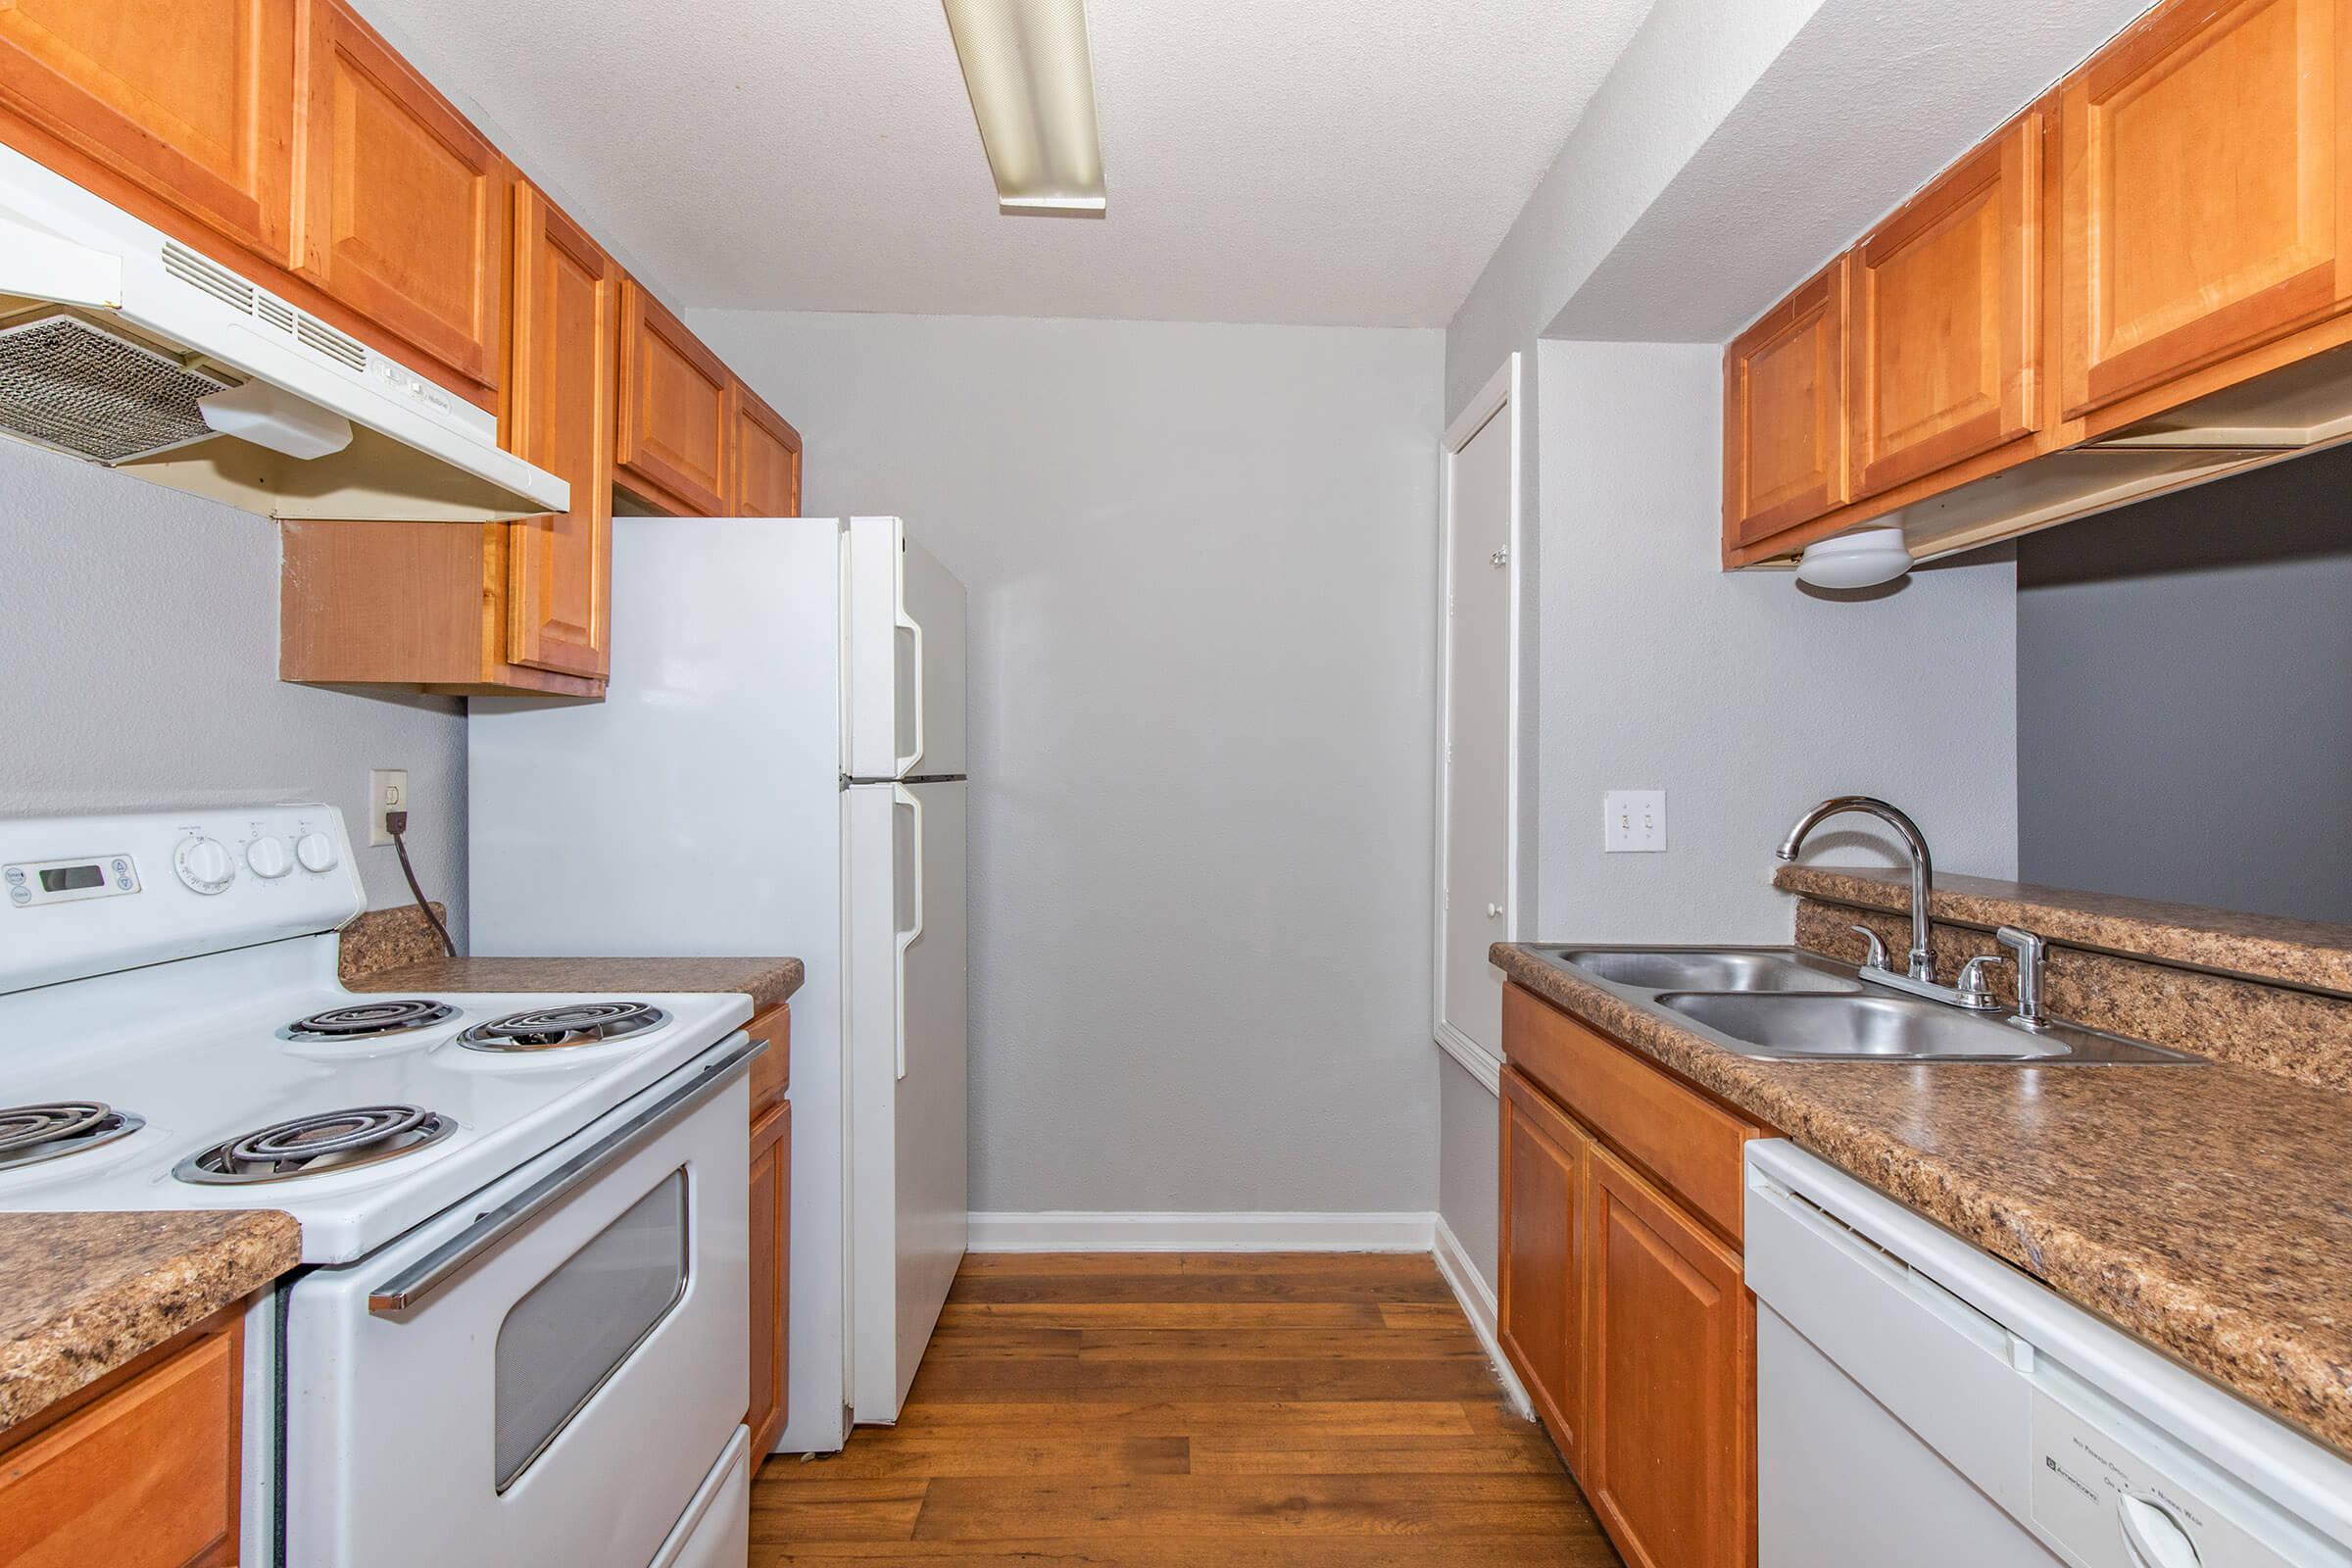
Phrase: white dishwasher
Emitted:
{"points": [[1921, 1404]]}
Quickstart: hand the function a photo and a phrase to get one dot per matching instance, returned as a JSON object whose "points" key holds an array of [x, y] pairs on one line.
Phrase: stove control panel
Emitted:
{"points": [[236, 876], [92, 876]]}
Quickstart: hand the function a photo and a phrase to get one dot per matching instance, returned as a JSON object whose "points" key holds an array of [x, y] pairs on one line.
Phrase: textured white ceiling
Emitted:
{"points": [[1345, 162]]}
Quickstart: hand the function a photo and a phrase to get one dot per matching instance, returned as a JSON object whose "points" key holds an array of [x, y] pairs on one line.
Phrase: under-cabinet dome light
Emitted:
{"points": [[1862, 560]]}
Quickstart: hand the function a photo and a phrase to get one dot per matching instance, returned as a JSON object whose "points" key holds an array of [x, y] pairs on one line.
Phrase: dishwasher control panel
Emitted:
{"points": [[2107, 1506]]}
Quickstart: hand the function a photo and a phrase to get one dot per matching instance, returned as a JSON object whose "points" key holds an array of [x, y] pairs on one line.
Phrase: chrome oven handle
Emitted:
{"points": [[424, 1278]]}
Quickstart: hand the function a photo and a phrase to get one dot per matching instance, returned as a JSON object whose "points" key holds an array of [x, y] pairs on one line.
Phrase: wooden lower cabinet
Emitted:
{"points": [[1621, 1297], [141, 1472], [1539, 1299], [771, 1274], [1670, 1364], [771, 1228]]}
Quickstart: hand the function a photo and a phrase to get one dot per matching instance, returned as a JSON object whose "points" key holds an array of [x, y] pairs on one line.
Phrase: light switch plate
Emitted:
{"points": [[1633, 822], [387, 791]]}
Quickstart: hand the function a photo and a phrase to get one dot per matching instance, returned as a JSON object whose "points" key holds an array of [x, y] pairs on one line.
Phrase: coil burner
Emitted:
{"points": [[316, 1146], [31, 1134], [578, 1023], [368, 1020]]}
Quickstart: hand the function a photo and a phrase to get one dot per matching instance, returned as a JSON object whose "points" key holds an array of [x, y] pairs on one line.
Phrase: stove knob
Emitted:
{"points": [[204, 865], [315, 852], [268, 857]]}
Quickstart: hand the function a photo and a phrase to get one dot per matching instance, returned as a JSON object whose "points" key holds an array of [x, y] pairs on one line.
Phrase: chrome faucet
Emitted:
{"points": [[1918, 977], [1922, 868]]}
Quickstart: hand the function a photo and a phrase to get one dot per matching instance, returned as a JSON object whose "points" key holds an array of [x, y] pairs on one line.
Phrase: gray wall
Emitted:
{"points": [[1741, 697], [1469, 1178], [139, 629], [2183, 717], [1201, 565]]}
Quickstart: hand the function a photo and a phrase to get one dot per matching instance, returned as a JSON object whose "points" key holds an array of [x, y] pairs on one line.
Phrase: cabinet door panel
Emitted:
{"points": [[1669, 1379], [2204, 189], [1784, 426], [559, 396], [771, 1262], [146, 1477], [1946, 342], [191, 99], [1692, 1145], [401, 204], [767, 459], [1540, 1293], [676, 406]]}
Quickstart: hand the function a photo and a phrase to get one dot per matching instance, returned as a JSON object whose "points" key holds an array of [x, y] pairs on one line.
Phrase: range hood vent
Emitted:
{"points": [[77, 388], [113, 336]]}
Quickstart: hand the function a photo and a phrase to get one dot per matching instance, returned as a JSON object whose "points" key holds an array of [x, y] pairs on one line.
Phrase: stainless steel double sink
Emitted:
{"points": [[1786, 1004]]}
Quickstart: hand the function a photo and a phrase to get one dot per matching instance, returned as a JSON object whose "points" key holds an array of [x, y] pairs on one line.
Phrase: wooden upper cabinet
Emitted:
{"points": [[677, 405], [1668, 1456], [766, 478], [400, 205], [1783, 415], [1945, 317], [2207, 192], [1540, 1299], [558, 414], [191, 100]]}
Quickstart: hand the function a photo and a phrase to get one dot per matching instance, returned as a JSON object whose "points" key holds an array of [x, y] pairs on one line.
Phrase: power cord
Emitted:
{"points": [[396, 823]]}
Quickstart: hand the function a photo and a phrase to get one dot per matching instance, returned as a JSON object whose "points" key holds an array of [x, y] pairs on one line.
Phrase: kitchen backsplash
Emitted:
{"points": [[2267, 993]]}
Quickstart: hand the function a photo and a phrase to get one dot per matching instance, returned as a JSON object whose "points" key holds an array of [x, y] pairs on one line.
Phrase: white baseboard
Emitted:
{"points": [[1470, 1288], [1081, 1231]]}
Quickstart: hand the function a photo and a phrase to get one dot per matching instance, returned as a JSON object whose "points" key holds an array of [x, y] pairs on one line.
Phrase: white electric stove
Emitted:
{"points": [[523, 1216]]}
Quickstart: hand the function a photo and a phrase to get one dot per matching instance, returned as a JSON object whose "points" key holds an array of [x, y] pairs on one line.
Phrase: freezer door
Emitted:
{"points": [[903, 619], [908, 1196]]}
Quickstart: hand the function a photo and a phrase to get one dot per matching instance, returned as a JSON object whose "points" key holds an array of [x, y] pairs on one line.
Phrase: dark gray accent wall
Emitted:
{"points": [[2185, 696]]}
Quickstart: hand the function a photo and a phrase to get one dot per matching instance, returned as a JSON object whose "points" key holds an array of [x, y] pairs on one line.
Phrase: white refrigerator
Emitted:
{"points": [[777, 769]]}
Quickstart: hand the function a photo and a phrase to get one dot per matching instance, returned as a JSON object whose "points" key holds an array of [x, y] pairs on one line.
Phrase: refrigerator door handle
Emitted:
{"points": [[907, 623], [900, 795]]}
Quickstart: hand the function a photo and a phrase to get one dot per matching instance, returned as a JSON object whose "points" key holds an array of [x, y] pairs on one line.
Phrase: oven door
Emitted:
{"points": [[547, 1374]]}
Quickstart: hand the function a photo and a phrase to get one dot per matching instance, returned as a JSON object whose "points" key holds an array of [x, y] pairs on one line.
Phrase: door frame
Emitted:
{"points": [[1499, 398]]}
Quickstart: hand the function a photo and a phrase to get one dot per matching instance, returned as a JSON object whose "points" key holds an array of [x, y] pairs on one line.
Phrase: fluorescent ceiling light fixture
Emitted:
{"points": [[1861, 559], [1032, 81]]}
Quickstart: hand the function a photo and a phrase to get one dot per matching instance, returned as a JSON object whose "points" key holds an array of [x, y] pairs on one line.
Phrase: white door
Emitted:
{"points": [[933, 1196], [1476, 754], [904, 706], [906, 1025], [549, 1395]]}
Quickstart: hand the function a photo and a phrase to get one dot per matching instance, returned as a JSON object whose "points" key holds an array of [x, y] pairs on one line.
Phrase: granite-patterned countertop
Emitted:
{"points": [[81, 1295], [766, 981], [2206, 1209]]}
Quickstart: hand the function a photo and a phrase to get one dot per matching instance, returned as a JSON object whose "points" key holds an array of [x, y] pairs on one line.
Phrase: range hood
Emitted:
{"points": [[123, 347]]}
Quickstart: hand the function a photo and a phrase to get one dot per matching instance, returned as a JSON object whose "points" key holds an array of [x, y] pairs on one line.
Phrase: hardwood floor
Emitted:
{"points": [[1190, 1411]]}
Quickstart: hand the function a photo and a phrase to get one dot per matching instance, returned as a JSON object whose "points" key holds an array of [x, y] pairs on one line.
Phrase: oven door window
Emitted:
{"points": [[578, 1326]]}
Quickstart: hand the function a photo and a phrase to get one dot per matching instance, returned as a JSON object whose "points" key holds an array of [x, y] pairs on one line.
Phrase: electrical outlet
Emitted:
{"points": [[387, 791], [1633, 822]]}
